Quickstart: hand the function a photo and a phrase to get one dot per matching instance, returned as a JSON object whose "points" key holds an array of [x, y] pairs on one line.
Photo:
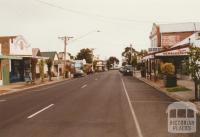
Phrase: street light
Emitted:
{"points": [[86, 34]]}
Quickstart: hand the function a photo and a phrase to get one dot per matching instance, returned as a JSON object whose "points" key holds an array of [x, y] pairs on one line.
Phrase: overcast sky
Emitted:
{"points": [[120, 22]]}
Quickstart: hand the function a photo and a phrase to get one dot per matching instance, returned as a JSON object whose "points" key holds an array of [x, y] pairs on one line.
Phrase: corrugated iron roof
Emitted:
{"points": [[179, 27]]}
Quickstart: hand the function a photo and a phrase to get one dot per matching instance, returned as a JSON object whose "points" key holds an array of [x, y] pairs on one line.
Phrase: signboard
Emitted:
{"points": [[177, 52], [19, 46], [151, 50], [169, 40], [148, 57]]}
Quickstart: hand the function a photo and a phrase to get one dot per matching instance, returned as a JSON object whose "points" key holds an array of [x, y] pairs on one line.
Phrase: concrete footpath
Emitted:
{"points": [[180, 95], [21, 86]]}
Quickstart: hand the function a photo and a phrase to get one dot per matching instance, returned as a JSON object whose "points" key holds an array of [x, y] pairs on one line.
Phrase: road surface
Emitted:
{"points": [[100, 105]]}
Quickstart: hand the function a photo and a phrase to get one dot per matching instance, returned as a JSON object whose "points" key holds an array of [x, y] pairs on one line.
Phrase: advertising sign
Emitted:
{"points": [[169, 40], [20, 46], [177, 52]]}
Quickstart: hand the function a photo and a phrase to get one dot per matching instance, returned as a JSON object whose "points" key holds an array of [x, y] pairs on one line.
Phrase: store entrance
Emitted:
{"points": [[17, 71]]}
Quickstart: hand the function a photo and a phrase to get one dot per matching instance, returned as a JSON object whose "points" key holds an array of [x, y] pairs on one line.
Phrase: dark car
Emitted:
{"points": [[128, 70]]}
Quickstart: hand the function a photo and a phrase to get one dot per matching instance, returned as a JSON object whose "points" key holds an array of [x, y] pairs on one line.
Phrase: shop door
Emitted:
{"points": [[5, 75]]}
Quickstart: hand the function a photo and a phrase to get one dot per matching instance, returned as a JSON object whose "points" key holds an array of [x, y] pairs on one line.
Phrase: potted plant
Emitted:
{"points": [[169, 76]]}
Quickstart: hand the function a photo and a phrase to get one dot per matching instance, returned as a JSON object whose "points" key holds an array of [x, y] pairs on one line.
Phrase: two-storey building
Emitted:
{"points": [[163, 37]]}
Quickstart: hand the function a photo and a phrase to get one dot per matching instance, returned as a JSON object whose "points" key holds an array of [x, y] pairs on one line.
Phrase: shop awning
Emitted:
{"points": [[176, 52], [148, 57], [10, 57], [30, 56]]}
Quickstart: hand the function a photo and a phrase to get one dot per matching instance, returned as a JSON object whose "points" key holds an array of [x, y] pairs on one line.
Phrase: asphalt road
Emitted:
{"points": [[100, 105]]}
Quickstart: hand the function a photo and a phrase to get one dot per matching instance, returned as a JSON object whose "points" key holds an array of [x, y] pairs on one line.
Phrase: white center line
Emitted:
{"points": [[132, 111], [84, 86], [31, 116]]}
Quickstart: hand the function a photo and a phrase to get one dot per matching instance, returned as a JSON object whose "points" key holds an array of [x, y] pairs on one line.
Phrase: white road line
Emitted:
{"points": [[3, 100], [84, 86], [31, 116], [132, 111]]}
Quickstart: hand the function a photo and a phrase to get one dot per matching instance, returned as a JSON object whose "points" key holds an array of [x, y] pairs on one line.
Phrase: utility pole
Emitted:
{"points": [[65, 39]]}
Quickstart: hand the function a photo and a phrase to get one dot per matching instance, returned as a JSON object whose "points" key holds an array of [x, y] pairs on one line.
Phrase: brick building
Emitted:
{"points": [[163, 38], [167, 35]]}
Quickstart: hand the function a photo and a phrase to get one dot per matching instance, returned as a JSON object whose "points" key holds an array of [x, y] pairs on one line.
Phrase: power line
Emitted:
{"points": [[91, 14]]}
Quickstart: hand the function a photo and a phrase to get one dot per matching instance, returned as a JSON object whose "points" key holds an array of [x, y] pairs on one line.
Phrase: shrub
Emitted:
{"points": [[168, 69]]}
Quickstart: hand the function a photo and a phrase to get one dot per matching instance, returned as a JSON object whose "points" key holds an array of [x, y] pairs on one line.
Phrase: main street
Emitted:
{"points": [[100, 105]]}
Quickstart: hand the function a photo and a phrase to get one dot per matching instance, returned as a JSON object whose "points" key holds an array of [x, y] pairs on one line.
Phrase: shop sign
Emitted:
{"points": [[20, 46], [178, 52], [169, 40], [148, 57]]}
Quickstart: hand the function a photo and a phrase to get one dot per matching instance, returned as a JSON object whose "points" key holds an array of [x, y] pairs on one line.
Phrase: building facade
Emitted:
{"points": [[164, 39], [15, 60]]}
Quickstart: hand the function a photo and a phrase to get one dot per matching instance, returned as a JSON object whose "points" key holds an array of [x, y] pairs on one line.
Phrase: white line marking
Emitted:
{"points": [[132, 111], [3, 100], [31, 116], [84, 86], [96, 79]]}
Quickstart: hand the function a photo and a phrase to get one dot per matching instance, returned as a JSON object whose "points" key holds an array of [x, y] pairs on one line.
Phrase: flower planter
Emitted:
{"points": [[170, 80]]}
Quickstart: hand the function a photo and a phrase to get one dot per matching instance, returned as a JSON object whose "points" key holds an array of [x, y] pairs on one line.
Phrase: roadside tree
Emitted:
{"points": [[194, 69], [86, 54], [112, 61], [41, 68], [49, 63]]}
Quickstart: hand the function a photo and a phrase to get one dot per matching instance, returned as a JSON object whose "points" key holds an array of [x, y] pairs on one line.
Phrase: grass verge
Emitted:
{"points": [[178, 89]]}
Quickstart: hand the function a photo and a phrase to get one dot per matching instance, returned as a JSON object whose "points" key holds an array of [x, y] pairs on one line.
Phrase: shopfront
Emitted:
{"points": [[178, 57], [19, 68], [5, 67]]}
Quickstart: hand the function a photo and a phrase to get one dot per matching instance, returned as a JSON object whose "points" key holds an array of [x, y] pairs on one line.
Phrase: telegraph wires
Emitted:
{"points": [[91, 14]]}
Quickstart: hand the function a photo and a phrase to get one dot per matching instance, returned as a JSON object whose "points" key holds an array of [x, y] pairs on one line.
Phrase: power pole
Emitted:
{"points": [[65, 39]]}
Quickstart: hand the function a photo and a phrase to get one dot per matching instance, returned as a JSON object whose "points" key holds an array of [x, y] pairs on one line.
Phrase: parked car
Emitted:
{"points": [[78, 73], [121, 69], [128, 70]]}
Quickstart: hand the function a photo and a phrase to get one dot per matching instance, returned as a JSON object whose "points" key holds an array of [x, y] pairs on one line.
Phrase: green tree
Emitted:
{"points": [[142, 53], [111, 61], [71, 56], [86, 54], [194, 69], [49, 63], [127, 54], [33, 68], [94, 64], [41, 68]]}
